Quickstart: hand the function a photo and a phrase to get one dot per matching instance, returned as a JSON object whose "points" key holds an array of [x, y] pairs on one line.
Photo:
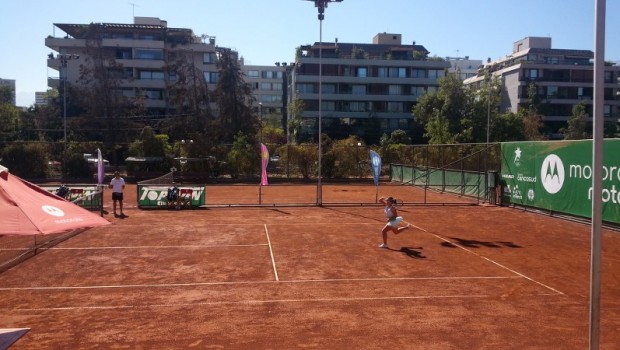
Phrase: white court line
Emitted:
{"points": [[273, 260], [256, 302], [198, 284], [159, 247], [490, 260]]}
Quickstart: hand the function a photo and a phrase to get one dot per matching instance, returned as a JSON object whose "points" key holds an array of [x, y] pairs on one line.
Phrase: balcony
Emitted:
{"points": [[57, 43], [53, 82]]}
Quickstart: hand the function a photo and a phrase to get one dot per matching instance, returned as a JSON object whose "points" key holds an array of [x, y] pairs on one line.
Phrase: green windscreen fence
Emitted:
{"points": [[461, 182], [557, 176]]}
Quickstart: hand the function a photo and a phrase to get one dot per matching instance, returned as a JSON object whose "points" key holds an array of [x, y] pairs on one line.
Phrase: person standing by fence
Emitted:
{"points": [[117, 184]]}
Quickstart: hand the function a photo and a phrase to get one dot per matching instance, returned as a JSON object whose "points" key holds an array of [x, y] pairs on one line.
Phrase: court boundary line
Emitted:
{"points": [[268, 301], [489, 260], [273, 260], [160, 247], [198, 284]]}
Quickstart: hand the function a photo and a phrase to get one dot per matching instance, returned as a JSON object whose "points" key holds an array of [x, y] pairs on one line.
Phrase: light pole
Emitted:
{"points": [[260, 127], [64, 59], [320, 5], [488, 109]]}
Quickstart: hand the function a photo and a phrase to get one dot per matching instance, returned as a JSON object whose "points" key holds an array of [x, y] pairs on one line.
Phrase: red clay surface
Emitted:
{"points": [[469, 277]]}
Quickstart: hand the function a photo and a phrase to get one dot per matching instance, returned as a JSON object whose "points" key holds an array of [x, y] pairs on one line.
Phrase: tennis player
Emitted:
{"points": [[392, 219]]}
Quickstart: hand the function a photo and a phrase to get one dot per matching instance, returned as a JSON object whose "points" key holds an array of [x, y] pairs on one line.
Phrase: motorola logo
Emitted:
{"points": [[552, 174]]}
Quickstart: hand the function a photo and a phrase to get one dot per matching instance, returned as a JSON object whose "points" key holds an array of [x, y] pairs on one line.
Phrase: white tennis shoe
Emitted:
{"points": [[383, 245]]}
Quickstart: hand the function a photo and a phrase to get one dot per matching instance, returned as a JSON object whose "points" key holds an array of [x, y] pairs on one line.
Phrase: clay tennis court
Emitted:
{"points": [[291, 277]]}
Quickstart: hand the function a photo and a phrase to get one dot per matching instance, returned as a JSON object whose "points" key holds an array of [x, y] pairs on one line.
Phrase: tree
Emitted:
{"points": [[532, 120], [233, 97], [6, 95], [96, 108], [295, 109], [508, 127], [243, 157], [446, 114], [189, 96], [532, 125], [438, 130], [577, 123]]}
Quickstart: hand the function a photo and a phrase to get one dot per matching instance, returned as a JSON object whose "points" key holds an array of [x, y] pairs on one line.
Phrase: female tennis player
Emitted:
{"points": [[392, 219]]}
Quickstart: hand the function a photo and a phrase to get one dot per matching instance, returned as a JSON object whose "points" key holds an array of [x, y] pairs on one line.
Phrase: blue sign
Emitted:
{"points": [[375, 163]]}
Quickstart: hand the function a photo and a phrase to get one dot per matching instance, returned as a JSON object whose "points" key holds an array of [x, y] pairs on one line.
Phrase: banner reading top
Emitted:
{"points": [[557, 176]]}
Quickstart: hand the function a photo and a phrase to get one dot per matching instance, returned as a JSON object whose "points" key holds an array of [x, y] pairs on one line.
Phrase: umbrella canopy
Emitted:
{"points": [[27, 209]]}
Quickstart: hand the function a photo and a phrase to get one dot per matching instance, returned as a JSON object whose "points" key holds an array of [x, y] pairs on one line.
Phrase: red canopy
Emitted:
{"points": [[27, 209]]}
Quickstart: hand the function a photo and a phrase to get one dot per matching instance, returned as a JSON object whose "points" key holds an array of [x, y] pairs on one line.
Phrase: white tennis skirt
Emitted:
{"points": [[395, 222]]}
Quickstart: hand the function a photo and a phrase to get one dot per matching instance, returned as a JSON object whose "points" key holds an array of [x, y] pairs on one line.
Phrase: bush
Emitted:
{"points": [[25, 160]]}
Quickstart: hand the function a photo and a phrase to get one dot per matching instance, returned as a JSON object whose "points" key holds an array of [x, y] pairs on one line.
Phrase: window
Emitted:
{"points": [[607, 111], [123, 54], [436, 73], [358, 89], [172, 76], [270, 98], [151, 75], [269, 74], [382, 72], [305, 88], [552, 91], [609, 77], [150, 37], [211, 77], [417, 90], [265, 86], [398, 72], [328, 105], [357, 106], [552, 60], [328, 88], [149, 54], [418, 73], [395, 90], [121, 73], [531, 74], [253, 74], [209, 57], [395, 107], [153, 94], [361, 72], [129, 93]]}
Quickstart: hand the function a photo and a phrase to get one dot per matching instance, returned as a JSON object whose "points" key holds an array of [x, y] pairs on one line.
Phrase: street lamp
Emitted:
{"points": [[64, 59], [320, 5]]}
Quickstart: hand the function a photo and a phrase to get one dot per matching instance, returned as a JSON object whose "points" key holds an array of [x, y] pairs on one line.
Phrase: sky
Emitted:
{"points": [[268, 31]]}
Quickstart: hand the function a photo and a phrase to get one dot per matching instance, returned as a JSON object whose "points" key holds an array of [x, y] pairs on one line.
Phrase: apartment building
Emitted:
{"points": [[463, 66], [563, 78], [268, 85], [41, 98], [367, 89], [139, 56]]}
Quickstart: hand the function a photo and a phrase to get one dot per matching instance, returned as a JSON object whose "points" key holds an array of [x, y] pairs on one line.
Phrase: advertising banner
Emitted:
{"points": [[264, 156], [155, 196], [375, 163], [557, 176]]}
